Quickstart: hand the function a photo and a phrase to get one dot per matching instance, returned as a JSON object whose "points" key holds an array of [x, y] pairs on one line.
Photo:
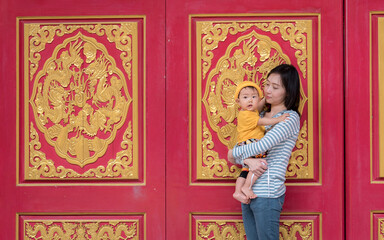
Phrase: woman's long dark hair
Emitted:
{"points": [[291, 82]]}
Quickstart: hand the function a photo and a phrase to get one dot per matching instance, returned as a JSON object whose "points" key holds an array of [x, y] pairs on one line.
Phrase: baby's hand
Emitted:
{"points": [[283, 117]]}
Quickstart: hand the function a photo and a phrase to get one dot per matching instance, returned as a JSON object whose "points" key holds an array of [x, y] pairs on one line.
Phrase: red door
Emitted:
{"points": [[364, 119], [83, 112], [211, 46], [105, 66]]}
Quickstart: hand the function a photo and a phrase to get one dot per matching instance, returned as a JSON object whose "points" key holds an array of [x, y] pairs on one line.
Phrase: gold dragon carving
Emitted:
{"points": [[73, 100], [80, 99], [250, 58], [69, 230], [221, 230]]}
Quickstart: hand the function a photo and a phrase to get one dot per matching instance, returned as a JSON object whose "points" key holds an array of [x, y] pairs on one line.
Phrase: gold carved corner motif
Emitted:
{"points": [[213, 166]]}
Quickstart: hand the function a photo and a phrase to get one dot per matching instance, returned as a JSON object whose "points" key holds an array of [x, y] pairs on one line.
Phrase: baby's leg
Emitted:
{"points": [[238, 194], [247, 187]]}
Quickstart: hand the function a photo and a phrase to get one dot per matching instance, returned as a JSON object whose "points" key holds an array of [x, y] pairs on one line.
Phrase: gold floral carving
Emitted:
{"points": [[213, 165], [250, 57], [290, 229], [79, 230], [208, 230], [40, 167], [294, 32]]}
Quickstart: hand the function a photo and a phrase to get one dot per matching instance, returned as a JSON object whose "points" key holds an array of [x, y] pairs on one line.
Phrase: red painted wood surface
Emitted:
{"points": [[362, 196], [183, 198], [148, 198]]}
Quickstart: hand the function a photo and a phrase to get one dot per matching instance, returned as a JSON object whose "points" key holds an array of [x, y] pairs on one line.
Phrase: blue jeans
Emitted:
{"points": [[261, 218]]}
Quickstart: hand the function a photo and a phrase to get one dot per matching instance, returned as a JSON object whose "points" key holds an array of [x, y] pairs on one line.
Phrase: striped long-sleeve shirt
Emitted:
{"points": [[279, 140]]}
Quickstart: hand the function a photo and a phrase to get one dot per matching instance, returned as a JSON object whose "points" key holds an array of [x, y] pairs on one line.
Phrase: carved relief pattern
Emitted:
{"points": [[45, 230], [381, 229], [213, 165], [220, 230], [299, 159], [290, 229], [80, 99], [293, 32], [250, 57], [235, 230], [121, 166], [118, 34]]}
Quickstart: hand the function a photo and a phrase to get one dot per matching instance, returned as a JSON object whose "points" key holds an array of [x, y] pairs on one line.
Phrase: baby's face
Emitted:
{"points": [[248, 99]]}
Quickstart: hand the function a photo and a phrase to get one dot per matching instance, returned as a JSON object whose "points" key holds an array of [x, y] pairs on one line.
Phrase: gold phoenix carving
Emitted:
{"points": [[249, 57], [80, 99], [46, 230], [289, 229]]}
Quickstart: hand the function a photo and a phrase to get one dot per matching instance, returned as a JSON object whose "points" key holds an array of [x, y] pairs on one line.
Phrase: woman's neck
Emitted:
{"points": [[275, 109]]}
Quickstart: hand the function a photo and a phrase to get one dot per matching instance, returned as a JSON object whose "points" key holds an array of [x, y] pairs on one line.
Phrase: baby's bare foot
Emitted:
{"points": [[241, 197], [248, 193]]}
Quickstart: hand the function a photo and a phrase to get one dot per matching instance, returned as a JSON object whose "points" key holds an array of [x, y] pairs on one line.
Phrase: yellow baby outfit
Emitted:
{"points": [[247, 127]]}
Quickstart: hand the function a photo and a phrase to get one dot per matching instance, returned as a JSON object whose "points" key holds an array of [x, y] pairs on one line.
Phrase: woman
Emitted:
{"points": [[261, 216]]}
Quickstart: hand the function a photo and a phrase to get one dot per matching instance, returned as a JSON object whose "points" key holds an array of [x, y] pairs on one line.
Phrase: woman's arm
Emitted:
{"points": [[277, 134], [256, 165], [231, 159]]}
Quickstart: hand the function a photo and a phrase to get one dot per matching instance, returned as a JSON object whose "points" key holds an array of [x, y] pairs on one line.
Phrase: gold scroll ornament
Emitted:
{"points": [[250, 58], [79, 230], [381, 229], [121, 166], [80, 98], [289, 229]]}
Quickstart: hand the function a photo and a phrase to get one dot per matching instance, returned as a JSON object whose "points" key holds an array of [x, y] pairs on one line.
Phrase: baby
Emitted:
{"points": [[250, 128]]}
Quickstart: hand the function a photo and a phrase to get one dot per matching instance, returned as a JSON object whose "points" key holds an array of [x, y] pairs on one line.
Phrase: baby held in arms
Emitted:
{"points": [[250, 128]]}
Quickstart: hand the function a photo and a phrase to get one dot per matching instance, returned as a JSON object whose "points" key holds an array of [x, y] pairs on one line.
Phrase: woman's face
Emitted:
{"points": [[274, 90]]}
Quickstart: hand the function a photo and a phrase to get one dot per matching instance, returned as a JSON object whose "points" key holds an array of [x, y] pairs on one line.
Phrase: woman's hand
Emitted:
{"points": [[256, 165], [231, 159]]}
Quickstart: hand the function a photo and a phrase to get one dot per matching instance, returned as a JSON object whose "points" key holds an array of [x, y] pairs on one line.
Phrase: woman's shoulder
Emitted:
{"points": [[293, 119], [293, 114]]}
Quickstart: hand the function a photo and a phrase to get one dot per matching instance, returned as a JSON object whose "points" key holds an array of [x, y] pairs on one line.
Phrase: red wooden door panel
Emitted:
{"points": [[82, 141], [364, 119], [206, 46]]}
